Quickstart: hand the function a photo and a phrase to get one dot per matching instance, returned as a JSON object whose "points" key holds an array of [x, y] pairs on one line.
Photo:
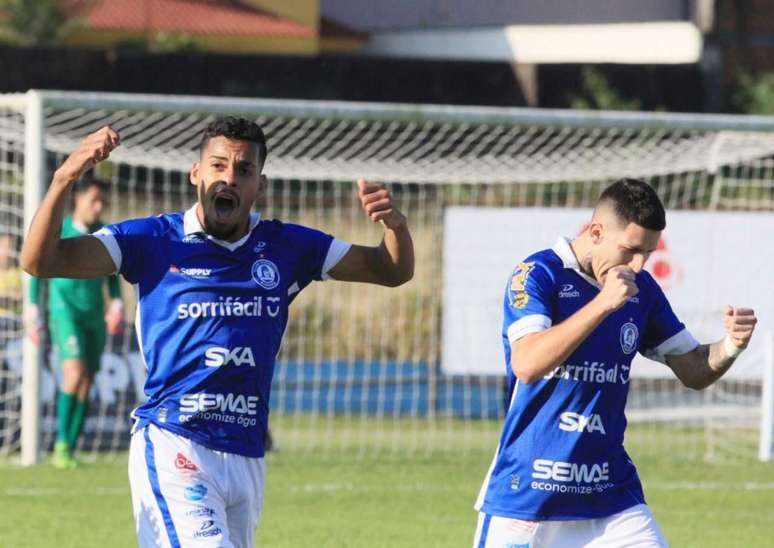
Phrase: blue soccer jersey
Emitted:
{"points": [[210, 319], [561, 453]]}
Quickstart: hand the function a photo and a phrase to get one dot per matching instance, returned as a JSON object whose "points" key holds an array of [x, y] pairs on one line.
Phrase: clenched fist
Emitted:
{"points": [[739, 324], [377, 202], [618, 288], [92, 150]]}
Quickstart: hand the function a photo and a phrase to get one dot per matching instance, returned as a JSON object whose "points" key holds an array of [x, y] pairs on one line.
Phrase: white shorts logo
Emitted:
{"points": [[629, 334], [266, 274]]}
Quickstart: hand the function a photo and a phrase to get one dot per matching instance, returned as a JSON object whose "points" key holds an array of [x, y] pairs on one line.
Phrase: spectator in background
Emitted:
{"points": [[77, 320], [10, 283]]}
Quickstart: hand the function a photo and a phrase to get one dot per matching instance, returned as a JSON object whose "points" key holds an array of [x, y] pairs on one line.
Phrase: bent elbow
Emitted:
{"points": [[406, 277], [30, 265], [694, 384], [526, 377], [400, 279]]}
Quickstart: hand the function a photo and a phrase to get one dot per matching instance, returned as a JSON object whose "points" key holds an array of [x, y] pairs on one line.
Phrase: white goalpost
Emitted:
{"points": [[375, 373]]}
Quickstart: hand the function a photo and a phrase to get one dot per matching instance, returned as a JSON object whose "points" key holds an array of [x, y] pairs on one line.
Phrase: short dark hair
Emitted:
{"points": [[240, 129], [86, 182], [635, 201]]}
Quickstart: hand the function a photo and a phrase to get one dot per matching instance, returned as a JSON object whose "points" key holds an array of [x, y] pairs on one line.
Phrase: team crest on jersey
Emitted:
{"points": [[266, 274], [520, 275], [629, 334]]}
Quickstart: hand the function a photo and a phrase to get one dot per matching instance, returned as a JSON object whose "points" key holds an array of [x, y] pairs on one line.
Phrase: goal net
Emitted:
{"points": [[376, 371]]}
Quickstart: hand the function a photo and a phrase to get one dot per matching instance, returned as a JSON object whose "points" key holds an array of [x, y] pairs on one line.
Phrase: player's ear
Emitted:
{"points": [[193, 177], [595, 232], [262, 183]]}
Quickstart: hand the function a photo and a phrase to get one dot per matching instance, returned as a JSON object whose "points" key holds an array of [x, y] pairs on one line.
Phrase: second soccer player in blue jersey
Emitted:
{"points": [[575, 316], [213, 285]]}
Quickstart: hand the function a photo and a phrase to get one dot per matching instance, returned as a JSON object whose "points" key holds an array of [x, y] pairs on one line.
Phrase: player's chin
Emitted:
{"points": [[222, 225]]}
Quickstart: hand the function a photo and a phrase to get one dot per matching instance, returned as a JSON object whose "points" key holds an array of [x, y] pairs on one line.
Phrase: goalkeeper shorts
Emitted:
{"points": [[78, 340], [184, 494], [634, 527]]}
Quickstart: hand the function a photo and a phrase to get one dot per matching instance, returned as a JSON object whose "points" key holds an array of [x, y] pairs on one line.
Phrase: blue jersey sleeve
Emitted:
{"points": [[311, 248], [130, 243], [528, 300], [664, 332]]}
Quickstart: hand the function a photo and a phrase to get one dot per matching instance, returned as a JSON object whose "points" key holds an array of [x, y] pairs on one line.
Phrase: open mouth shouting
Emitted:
{"points": [[225, 205]]}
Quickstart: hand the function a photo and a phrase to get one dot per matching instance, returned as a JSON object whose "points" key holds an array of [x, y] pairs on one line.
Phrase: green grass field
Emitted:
{"points": [[339, 499]]}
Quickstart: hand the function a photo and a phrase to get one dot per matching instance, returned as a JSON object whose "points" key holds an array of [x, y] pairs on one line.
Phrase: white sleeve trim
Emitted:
{"points": [[528, 324], [109, 241], [336, 252], [679, 343]]}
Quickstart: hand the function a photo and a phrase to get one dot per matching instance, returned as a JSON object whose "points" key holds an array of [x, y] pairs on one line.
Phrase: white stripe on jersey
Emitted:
{"points": [[110, 243], [533, 323], [679, 343], [336, 252]]}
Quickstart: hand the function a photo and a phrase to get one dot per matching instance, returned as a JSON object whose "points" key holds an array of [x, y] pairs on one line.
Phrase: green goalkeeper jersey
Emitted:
{"points": [[74, 299]]}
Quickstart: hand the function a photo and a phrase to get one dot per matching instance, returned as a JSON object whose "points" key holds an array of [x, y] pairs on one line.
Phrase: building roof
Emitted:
{"points": [[185, 16], [464, 14]]}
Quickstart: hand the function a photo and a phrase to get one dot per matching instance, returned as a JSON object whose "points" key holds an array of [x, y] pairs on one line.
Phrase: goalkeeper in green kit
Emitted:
{"points": [[78, 321]]}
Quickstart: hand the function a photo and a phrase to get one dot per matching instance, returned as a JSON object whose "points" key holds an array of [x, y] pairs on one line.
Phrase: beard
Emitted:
{"points": [[220, 231]]}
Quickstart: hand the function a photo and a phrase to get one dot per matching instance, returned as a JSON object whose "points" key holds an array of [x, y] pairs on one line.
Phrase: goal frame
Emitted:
{"points": [[34, 102]]}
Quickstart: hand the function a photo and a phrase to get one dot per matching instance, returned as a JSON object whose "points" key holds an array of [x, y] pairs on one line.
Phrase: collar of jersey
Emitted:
{"points": [[564, 251], [79, 226], [191, 225]]}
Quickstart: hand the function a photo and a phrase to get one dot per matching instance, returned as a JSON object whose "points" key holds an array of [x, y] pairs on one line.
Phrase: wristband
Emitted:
{"points": [[732, 351]]}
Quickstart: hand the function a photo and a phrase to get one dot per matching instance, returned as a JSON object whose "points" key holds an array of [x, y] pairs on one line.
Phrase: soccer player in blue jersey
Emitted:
{"points": [[575, 315], [213, 286]]}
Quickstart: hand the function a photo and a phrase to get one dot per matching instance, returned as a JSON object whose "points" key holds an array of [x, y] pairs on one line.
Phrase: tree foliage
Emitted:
{"points": [[34, 22]]}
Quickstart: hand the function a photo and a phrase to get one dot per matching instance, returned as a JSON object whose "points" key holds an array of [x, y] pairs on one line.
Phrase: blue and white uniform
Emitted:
{"points": [[210, 320], [561, 455]]}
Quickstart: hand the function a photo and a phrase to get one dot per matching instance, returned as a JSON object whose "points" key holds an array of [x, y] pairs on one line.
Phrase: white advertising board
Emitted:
{"points": [[705, 260]]}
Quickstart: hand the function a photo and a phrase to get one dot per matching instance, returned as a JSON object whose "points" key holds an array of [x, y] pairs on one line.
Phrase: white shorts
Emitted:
{"points": [[184, 494], [635, 527]]}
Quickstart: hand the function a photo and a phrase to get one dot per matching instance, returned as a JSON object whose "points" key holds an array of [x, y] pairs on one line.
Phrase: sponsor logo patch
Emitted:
{"points": [[201, 512], [217, 356], [184, 463], [570, 477], [596, 372], [195, 492], [575, 422], [568, 292], [520, 275]]}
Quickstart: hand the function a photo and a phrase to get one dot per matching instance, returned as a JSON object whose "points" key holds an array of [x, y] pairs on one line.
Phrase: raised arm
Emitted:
{"points": [[706, 363], [391, 263], [537, 354], [44, 254]]}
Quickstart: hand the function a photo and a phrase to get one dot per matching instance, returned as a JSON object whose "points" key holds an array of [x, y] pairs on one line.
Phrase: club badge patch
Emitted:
{"points": [[629, 334], [266, 274]]}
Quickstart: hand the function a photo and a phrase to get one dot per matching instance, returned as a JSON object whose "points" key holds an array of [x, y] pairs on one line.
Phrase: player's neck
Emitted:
{"points": [[78, 222], [581, 247]]}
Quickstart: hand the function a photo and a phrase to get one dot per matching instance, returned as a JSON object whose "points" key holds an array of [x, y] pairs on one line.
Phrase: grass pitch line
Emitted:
{"points": [[59, 492], [709, 486]]}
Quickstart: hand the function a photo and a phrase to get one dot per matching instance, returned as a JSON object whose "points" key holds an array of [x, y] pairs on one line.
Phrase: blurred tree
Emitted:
{"points": [[755, 93], [597, 94], [34, 22], [171, 42]]}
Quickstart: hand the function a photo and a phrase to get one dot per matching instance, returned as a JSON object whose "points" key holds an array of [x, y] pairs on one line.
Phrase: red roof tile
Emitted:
{"points": [[188, 16]]}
